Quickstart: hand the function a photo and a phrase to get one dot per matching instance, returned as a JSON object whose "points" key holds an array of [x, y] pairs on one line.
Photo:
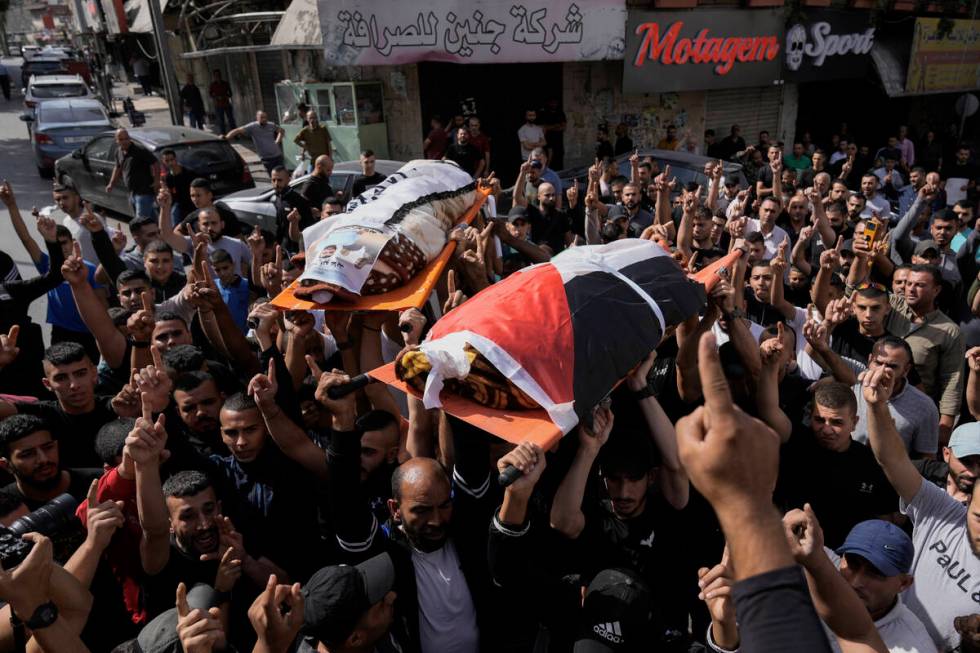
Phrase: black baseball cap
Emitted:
{"points": [[337, 596], [617, 614], [616, 212], [517, 213]]}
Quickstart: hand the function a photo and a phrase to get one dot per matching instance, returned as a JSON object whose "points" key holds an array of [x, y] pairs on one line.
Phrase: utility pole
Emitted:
{"points": [[166, 63]]}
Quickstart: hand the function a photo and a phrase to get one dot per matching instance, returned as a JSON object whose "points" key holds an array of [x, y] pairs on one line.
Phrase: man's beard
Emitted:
{"points": [[425, 543], [42, 485]]}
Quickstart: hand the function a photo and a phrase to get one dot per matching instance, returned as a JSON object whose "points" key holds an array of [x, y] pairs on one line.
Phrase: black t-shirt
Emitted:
{"points": [[316, 189], [180, 189], [967, 171], [843, 488], [137, 168], [175, 283], [181, 567], [78, 485], [765, 176], [363, 182], [549, 228], [645, 544], [760, 312], [75, 433], [466, 155]]}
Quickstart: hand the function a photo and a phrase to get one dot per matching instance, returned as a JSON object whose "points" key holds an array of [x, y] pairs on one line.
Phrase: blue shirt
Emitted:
{"points": [[236, 297], [62, 311]]}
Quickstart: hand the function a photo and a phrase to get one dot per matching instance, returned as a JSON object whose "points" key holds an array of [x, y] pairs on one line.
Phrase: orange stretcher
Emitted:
{"points": [[413, 294], [513, 426]]}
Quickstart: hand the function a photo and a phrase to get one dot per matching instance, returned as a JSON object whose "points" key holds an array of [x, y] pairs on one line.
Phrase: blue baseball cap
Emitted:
{"points": [[965, 440], [883, 544]]}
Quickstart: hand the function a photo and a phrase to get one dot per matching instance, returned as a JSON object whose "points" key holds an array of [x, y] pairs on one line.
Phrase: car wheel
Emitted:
{"points": [[45, 173]]}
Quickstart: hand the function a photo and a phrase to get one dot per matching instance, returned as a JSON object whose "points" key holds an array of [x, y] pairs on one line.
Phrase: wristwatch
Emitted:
{"points": [[139, 344], [44, 615]]}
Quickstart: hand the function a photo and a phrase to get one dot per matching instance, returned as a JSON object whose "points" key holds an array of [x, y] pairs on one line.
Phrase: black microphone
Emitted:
{"points": [[344, 389], [509, 475]]}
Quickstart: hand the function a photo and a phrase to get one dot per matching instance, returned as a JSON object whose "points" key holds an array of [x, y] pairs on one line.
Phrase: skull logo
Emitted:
{"points": [[795, 42]]}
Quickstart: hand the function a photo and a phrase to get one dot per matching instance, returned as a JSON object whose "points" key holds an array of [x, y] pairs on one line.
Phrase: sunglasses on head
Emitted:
{"points": [[873, 285]]}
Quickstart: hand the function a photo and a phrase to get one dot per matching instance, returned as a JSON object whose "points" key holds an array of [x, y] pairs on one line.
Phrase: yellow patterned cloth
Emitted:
{"points": [[484, 384]]}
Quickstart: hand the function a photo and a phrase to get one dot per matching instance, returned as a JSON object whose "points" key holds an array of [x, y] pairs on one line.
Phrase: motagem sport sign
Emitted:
{"points": [[829, 45], [679, 51]]}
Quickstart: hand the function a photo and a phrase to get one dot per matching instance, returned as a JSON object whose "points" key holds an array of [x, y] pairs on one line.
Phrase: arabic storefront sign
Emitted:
{"points": [[944, 62], [380, 32], [828, 45], [679, 51]]}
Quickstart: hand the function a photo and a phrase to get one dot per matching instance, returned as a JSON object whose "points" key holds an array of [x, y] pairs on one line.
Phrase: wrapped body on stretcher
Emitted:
{"points": [[388, 234]]}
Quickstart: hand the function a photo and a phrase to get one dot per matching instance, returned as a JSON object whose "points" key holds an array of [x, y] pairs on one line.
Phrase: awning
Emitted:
{"points": [[299, 27]]}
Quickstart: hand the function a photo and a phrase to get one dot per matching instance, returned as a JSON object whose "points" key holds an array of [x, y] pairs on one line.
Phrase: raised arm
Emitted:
{"points": [[111, 343], [820, 220], [292, 440], [685, 237], [165, 220], [835, 601], [144, 445], [767, 388], [519, 198], [671, 477], [566, 510], [777, 297], [7, 196], [973, 382], [888, 447]]}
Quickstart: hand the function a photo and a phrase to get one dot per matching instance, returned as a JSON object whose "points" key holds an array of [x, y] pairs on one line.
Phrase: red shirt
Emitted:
{"points": [[123, 552], [481, 142], [438, 140], [220, 92]]}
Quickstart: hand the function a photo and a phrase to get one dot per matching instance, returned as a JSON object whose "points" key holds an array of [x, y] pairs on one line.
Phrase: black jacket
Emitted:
{"points": [[475, 495]]}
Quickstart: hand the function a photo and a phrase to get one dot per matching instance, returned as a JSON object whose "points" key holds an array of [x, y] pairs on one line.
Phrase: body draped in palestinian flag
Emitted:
{"points": [[558, 335]]}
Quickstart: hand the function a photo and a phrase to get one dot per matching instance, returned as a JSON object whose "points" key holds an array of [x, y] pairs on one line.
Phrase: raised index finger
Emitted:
{"points": [[147, 297], [12, 335], [157, 357], [840, 244], [314, 368], [717, 396], [182, 608], [147, 407], [93, 494]]}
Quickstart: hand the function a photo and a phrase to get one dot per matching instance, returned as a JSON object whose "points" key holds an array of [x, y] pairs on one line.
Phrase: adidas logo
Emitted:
{"points": [[609, 631]]}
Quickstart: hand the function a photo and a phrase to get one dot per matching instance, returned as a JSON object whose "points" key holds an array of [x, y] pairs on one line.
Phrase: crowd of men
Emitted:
{"points": [[792, 469]]}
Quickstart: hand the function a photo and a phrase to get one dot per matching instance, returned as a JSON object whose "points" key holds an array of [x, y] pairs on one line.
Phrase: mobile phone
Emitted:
{"points": [[871, 231]]}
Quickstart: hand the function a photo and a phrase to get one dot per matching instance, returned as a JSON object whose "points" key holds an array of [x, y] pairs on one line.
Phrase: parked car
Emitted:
{"points": [[61, 126], [49, 87], [255, 207], [38, 66], [685, 167], [89, 168]]}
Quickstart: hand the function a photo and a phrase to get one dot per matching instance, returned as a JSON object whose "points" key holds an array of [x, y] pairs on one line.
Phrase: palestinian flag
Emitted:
{"points": [[565, 332]]}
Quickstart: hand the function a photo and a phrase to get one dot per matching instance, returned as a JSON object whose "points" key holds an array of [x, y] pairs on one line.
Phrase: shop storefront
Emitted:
{"points": [[493, 58], [730, 58]]}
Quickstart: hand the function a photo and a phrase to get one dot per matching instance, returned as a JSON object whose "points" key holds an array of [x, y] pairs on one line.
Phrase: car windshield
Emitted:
{"points": [[74, 114], [58, 90], [43, 66], [205, 155]]}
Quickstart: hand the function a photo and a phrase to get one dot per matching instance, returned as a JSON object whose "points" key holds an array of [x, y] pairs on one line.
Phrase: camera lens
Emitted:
{"points": [[49, 519]]}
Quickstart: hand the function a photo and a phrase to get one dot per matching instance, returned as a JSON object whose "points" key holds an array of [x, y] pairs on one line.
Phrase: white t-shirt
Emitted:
{"points": [[78, 232], [877, 204], [447, 618], [947, 572], [530, 134], [241, 256], [773, 240]]}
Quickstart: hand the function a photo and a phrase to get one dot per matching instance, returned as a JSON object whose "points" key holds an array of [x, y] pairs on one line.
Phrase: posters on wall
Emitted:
{"points": [[381, 32], [944, 62]]}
